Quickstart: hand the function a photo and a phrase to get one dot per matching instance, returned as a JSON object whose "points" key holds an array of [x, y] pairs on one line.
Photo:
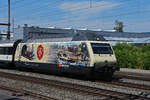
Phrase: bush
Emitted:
{"points": [[130, 56]]}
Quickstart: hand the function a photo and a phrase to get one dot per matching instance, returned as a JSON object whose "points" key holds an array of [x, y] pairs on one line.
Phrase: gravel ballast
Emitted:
{"points": [[62, 94]]}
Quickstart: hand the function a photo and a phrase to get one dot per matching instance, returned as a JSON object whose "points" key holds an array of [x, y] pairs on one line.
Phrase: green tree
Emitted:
{"points": [[119, 26], [131, 56]]}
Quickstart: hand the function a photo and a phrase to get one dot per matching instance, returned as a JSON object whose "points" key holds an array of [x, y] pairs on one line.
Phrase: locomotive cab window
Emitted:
{"points": [[101, 48], [6, 50]]}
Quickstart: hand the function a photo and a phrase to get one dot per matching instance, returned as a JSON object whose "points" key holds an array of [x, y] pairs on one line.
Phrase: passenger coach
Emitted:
{"points": [[6, 54], [7, 51]]}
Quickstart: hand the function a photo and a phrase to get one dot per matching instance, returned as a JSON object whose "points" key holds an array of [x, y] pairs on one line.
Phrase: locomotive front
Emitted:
{"points": [[103, 58]]}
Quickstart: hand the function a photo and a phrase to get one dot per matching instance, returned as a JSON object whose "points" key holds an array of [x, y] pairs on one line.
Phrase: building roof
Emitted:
{"points": [[124, 34], [87, 36]]}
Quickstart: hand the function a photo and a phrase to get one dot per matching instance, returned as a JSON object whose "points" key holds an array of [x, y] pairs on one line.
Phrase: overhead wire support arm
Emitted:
{"points": [[4, 24]]}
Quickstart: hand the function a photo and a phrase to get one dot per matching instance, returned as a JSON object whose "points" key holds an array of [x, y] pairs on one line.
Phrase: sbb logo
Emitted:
{"points": [[40, 52]]}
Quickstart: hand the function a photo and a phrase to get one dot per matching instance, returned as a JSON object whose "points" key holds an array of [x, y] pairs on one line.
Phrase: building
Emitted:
{"points": [[66, 34], [27, 33]]}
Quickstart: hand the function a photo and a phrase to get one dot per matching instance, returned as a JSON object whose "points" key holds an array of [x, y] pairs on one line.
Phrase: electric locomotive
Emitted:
{"points": [[90, 58]]}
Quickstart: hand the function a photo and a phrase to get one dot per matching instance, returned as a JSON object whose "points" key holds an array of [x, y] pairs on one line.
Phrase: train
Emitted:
{"points": [[88, 58], [87, 55]]}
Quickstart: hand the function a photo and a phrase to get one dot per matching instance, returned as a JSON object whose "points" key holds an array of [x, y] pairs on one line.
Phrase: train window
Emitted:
{"points": [[2, 50], [9, 51], [101, 48], [6, 50]]}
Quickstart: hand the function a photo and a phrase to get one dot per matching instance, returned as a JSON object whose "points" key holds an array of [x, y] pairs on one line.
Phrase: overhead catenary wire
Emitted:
{"points": [[78, 19], [127, 13], [62, 21], [108, 16], [51, 17], [72, 9], [44, 15], [13, 2]]}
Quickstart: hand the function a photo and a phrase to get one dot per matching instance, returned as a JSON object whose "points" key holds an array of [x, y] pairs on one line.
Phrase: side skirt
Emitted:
{"points": [[54, 69]]}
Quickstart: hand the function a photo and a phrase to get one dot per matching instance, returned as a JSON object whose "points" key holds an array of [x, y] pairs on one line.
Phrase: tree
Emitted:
{"points": [[119, 26]]}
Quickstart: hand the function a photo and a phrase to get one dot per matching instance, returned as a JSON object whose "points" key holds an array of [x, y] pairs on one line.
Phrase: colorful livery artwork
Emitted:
{"points": [[64, 54], [73, 54]]}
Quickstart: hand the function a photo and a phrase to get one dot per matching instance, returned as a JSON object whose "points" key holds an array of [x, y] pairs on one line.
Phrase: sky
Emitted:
{"points": [[79, 14]]}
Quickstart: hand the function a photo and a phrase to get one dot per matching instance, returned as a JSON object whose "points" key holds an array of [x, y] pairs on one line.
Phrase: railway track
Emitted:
{"points": [[93, 91], [129, 85], [26, 93], [134, 76]]}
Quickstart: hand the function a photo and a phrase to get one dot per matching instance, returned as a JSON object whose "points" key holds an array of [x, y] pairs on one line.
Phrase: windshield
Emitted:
{"points": [[101, 48]]}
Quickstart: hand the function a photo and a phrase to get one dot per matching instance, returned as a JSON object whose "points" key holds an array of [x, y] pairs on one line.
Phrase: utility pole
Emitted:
{"points": [[90, 3], [8, 34], [13, 24], [7, 24]]}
